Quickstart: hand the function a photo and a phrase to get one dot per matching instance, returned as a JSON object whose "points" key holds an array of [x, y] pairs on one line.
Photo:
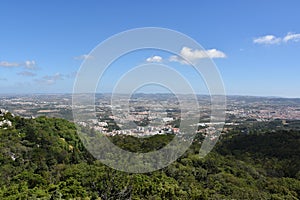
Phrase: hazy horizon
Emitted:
{"points": [[149, 93]]}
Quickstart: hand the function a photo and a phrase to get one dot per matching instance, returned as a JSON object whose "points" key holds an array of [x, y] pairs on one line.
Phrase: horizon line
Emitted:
{"points": [[146, 93]]}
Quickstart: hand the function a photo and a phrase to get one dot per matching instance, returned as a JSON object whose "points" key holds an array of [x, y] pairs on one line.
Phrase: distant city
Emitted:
{"points": [[151, 114]]}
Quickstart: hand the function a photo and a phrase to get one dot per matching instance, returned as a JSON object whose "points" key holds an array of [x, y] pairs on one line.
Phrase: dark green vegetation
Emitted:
{"points": [[43, 158]]}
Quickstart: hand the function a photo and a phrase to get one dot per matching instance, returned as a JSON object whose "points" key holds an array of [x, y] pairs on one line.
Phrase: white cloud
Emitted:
{"points": [[30, 64], [272, 39], [295, 37], [26, 64], [83, 57], [200, 54], [154, 59], [193, 55], [26, 73], [178, 59], [50, 79], [9, 64], [214, 53], [267, 39]]}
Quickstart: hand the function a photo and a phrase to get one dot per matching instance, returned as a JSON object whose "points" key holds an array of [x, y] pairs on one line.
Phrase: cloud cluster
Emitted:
{"points": [[194, 55], [187, 53], [200, 54], [9, 64], [267, 39], [50, 79], [272, 39], [294, 37], [28, 64], [154, 59]]}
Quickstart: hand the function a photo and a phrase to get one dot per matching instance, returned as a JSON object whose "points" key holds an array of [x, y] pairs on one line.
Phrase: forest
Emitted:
{"points": [[43, 158]]}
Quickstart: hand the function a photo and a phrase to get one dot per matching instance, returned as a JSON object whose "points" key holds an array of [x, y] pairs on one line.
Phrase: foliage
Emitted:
{"points": [[43, 158]]}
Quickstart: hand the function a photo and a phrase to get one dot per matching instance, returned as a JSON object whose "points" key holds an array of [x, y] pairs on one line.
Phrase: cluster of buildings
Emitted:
{"points": [[150, 114], [262, 109]]}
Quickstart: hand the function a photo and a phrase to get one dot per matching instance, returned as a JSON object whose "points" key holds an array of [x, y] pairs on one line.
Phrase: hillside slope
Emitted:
{"points": [[43, 158]]}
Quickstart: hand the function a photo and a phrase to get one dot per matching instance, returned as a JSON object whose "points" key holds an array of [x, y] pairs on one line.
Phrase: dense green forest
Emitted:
{"points": [[43, 158]]}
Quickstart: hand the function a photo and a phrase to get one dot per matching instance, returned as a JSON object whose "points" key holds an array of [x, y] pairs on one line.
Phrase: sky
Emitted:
{"points": [[255, 44]]}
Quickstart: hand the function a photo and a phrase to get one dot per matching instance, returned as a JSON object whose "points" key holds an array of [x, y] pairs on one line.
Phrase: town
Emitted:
{"points": [[152, 114]]}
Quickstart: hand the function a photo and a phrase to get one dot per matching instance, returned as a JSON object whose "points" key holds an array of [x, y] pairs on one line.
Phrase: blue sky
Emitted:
{"points": [[42, 43]]}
